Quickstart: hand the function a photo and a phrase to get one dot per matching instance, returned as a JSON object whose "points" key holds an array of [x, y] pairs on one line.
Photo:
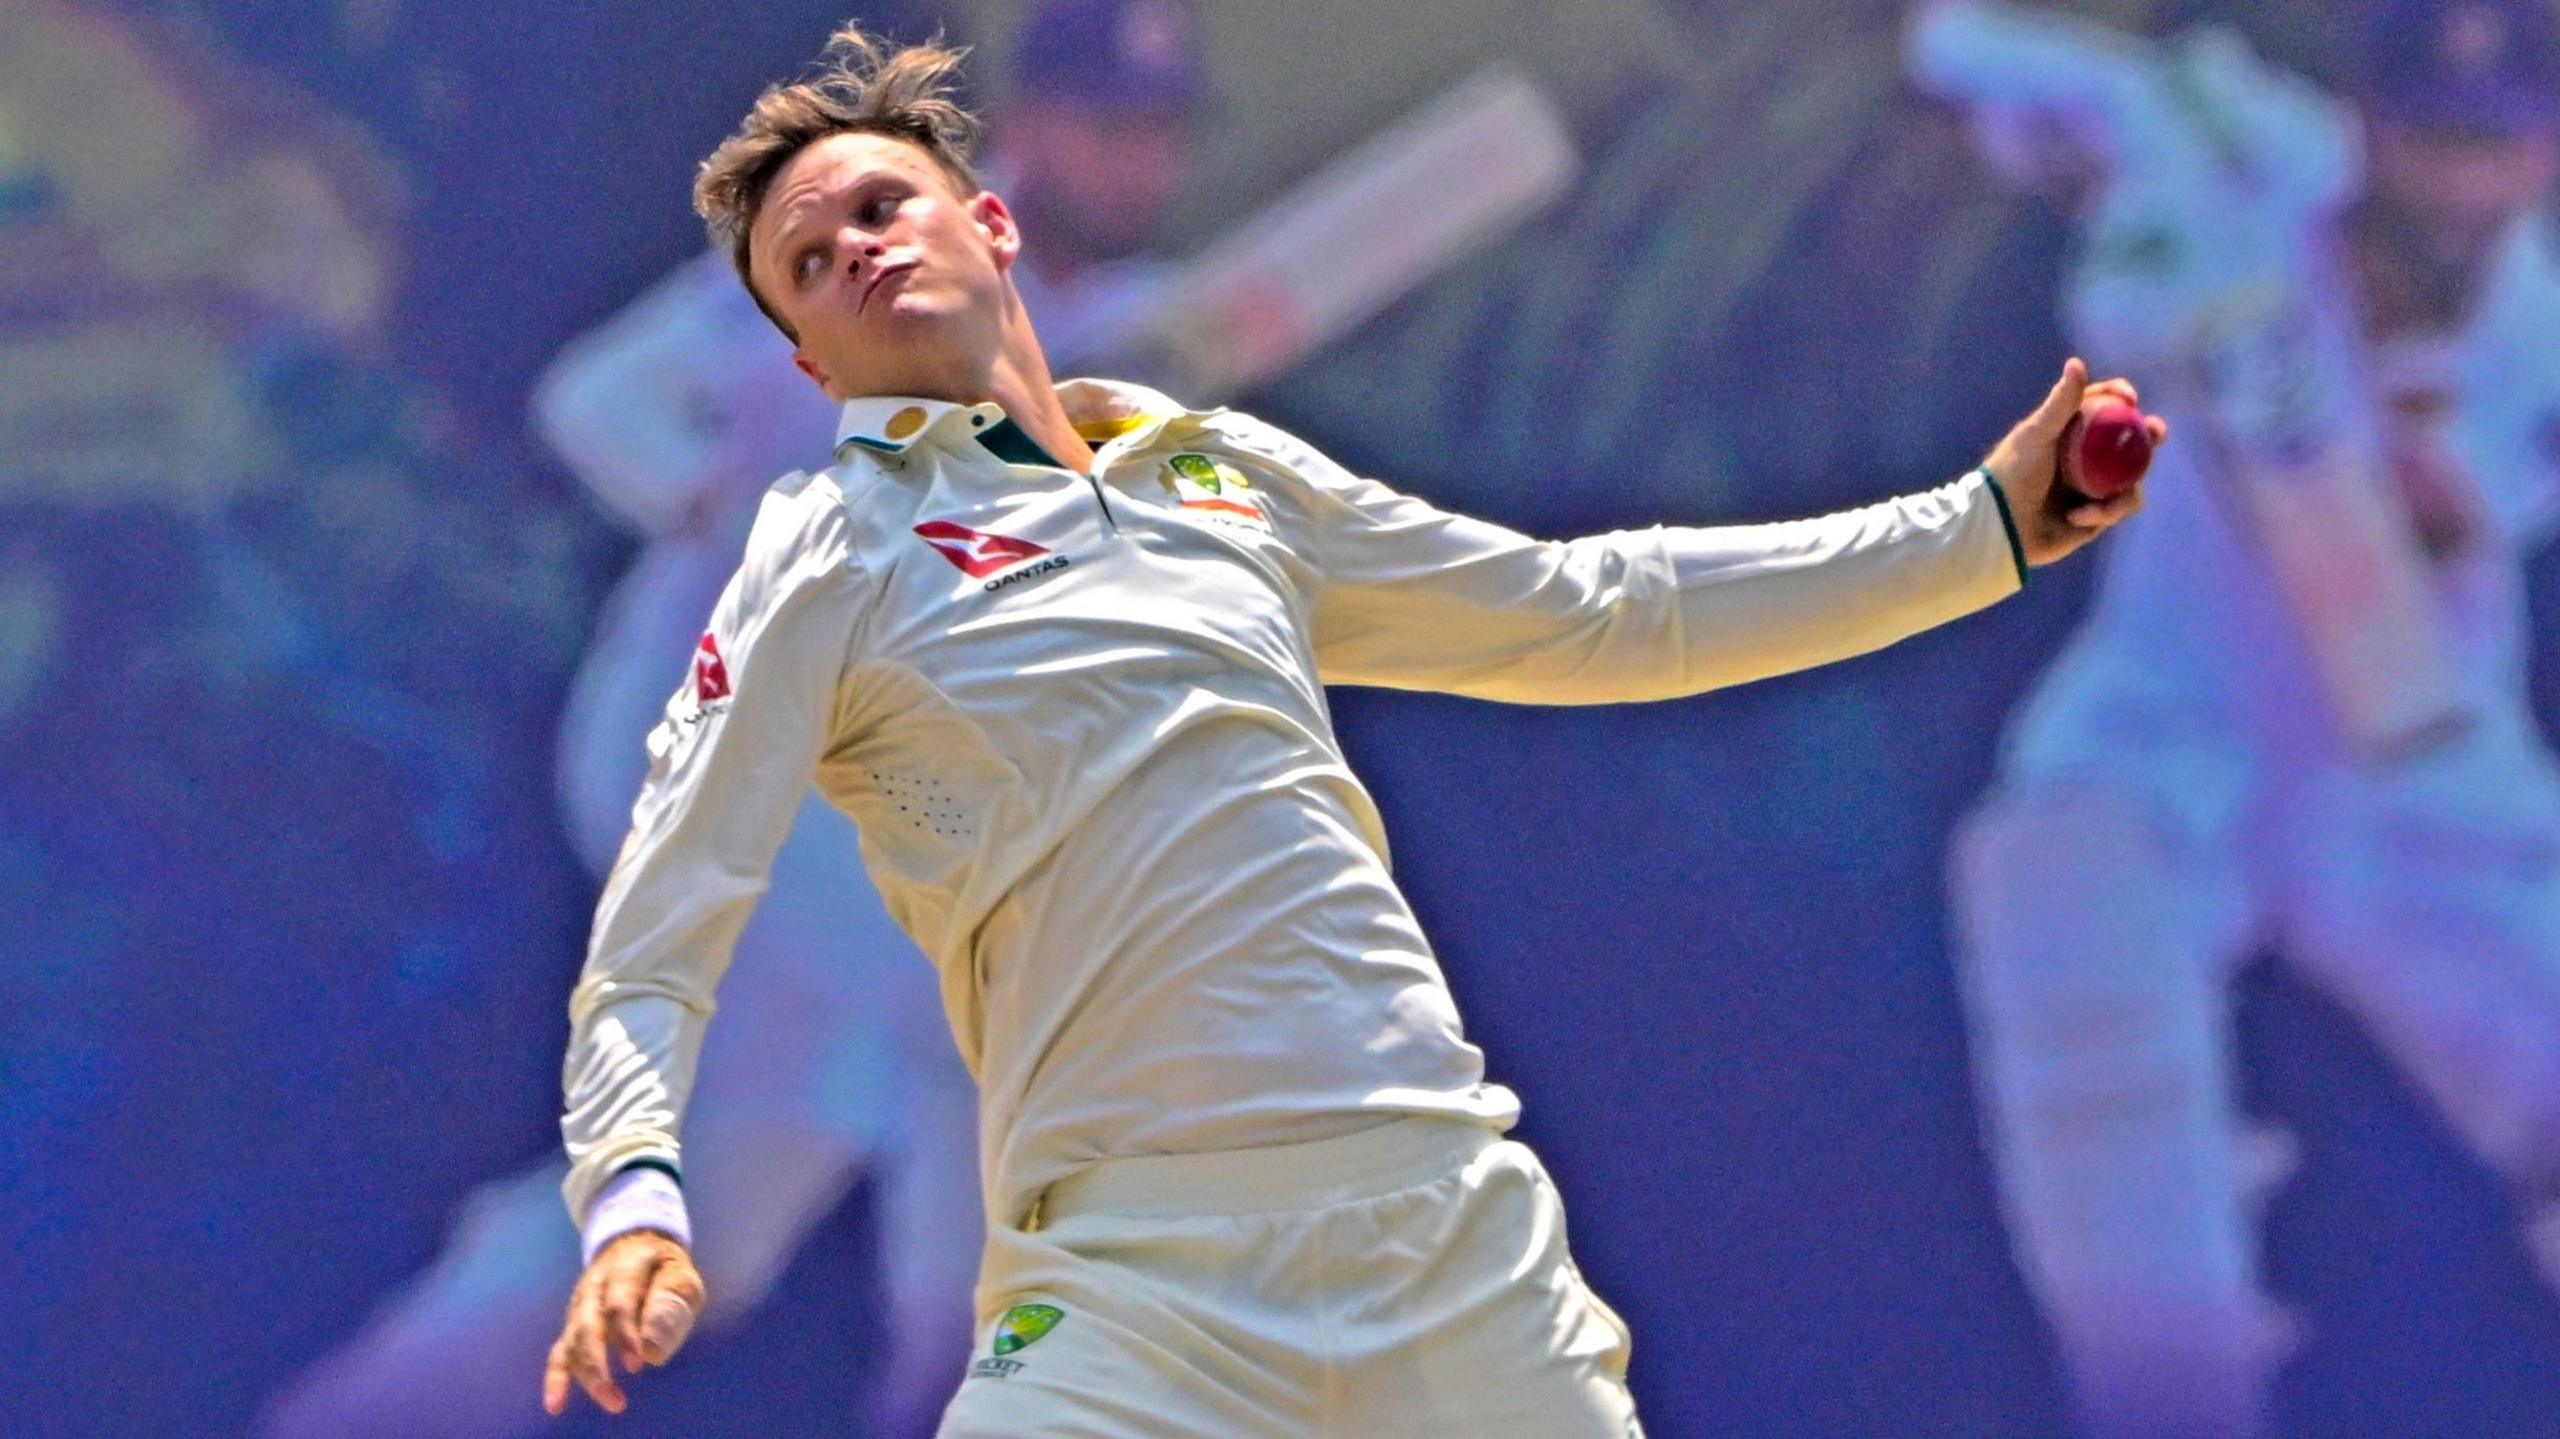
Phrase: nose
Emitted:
{"points": [[858, 247]]}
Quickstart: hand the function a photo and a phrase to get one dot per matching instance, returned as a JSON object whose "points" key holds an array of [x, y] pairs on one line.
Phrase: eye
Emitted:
{"points": [[877, 210], [805, 268]]}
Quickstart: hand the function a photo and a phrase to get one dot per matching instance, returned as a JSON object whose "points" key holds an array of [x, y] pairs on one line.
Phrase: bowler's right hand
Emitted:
{"points": [[637, 1300]]}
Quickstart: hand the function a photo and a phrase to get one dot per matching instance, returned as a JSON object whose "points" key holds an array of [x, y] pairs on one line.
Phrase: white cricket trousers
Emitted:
{"points": [[1407, 1280]]}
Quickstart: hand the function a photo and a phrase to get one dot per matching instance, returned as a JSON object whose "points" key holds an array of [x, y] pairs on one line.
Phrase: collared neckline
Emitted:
{"points": [[891, 424], [1104, 412]]}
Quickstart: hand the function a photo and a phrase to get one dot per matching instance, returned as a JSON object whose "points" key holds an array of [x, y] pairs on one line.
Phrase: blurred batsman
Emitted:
{"points": [[831, 1060], [1059, 650], [2296, 715]]}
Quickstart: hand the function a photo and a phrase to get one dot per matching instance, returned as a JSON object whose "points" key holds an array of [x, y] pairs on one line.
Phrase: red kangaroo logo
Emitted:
{"points": [[976, 553]]}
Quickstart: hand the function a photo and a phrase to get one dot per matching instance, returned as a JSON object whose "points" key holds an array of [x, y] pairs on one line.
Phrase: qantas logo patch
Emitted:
{"points": [[710, 672], [977, 553], [1000, 560]]}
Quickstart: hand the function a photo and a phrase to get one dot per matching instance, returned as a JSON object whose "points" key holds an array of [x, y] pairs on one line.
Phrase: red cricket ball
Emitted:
{"points": [[2106, 450]]}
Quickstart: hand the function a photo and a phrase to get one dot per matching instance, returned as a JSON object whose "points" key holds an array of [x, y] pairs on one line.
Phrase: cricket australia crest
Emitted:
{"points": [[1021, 1327], [1214, 490]]}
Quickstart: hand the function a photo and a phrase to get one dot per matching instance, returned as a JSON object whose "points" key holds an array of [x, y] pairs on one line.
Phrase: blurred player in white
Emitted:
{"points": [[2190, 783], [1060, 649], [831, 1060]]}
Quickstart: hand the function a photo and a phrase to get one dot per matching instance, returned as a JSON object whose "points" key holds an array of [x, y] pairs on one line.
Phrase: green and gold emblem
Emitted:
{"points": [[1023, 1325], [1214, 490], [1203, 474]]}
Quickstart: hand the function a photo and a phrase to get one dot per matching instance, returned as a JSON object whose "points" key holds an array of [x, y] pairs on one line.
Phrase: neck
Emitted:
{"points": [[1015, 375], [1019, 380]]}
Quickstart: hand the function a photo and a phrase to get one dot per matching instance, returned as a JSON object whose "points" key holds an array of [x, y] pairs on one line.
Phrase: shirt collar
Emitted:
{"points": [[1101, 410], [1107, 410], [890, 424]]}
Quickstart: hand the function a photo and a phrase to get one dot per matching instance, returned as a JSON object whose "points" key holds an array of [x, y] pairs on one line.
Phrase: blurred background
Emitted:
{"points": [[293, 589]]}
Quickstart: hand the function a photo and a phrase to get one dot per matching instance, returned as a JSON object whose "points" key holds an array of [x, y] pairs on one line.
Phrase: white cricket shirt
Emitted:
{"points": [[1080, 721]]}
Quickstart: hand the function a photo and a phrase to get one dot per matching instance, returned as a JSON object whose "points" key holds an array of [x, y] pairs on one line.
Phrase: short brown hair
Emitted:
{"points": [[861, 87]]}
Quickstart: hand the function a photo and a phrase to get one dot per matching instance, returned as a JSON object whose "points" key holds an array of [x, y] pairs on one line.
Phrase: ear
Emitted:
{"points": [[995, 220], [800, 360]]}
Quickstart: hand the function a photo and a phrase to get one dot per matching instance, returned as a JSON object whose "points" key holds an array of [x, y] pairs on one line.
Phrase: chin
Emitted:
{"points": [[908, 312]]}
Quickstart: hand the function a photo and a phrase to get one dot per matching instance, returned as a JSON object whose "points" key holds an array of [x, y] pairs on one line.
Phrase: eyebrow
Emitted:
{"points": [[786, 237]]}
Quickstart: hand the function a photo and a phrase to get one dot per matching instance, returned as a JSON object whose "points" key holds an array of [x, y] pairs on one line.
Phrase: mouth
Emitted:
{"points": [[881, 277]]}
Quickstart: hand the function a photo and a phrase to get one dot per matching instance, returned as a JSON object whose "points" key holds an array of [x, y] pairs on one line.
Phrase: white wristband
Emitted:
{"points": [[641, 1197]]}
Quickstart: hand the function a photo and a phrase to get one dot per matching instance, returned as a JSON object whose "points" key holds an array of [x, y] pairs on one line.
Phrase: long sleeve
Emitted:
{"points": [[682, 404], [2210, 161], [729, 766], [1413, 597], [2008, 58]]}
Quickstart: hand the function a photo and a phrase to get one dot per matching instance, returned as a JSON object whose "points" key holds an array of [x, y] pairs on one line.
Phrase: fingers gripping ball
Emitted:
{"points": [[635, 1303], [664, 1322], [2106, 450]]}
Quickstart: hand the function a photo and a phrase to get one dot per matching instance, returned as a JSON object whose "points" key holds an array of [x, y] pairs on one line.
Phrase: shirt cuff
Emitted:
{"points": [[2008, 522], [641, 1197]]}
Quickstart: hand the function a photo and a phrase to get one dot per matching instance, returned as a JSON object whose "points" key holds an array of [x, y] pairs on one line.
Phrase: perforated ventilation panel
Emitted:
{"points": [[924, 803]]}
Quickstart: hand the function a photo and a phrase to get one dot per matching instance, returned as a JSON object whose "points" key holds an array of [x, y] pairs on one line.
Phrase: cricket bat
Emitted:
{"points": [[2295, 433], [1370, 226]]}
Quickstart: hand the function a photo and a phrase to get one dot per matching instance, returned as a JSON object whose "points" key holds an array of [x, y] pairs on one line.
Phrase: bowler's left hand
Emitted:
{"points": [[2052, 522]]}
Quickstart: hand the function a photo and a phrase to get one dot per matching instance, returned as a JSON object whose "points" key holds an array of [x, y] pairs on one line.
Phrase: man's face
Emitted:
{"points": [[892, 280], [2458, 189], [1095, 184]]}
